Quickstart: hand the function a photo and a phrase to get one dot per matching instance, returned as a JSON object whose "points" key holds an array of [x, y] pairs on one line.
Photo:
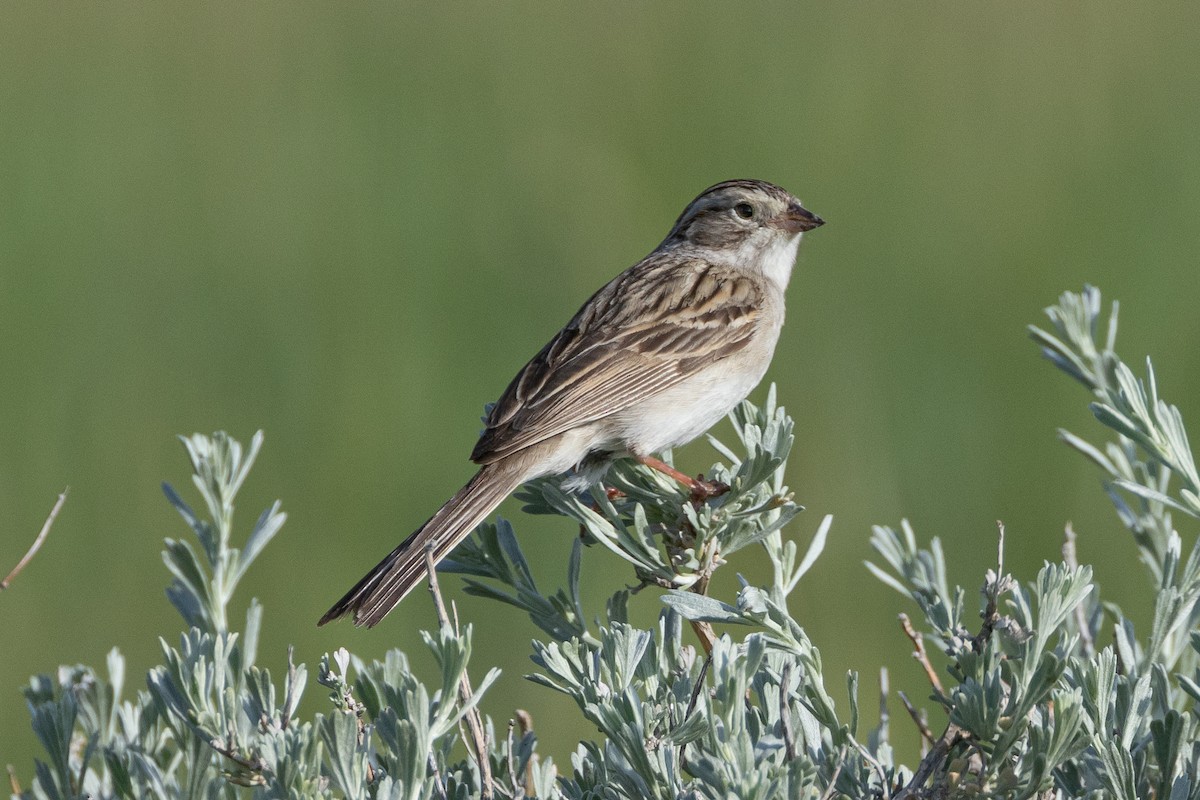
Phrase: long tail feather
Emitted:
{"points": [[386, 585]]}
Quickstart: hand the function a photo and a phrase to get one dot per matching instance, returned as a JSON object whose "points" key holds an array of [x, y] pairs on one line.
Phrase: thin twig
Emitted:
{"points": [[699, 686], [704, 631], [831, 791], [874, 764], [437, 776], [785, 710], [954, 734], [257, 765], [993, 591], [920, 655], [518, 791], [917, 717], [37, 543], [1071, 559], [932, 761], [695, 698], [474, 721]]}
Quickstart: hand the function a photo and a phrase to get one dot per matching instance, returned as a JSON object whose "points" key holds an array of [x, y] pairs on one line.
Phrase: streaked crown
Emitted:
{"points": [[728, 214]]}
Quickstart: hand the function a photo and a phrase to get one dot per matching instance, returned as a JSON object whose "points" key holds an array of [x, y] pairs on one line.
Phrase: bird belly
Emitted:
{"points": [[681, 413]]}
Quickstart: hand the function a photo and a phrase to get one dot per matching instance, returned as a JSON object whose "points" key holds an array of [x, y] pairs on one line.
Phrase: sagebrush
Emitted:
{"points": [[1026, 701]]}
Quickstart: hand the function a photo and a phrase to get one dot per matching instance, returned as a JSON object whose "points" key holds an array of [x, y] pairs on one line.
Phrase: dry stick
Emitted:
{"points": [[953, 733], [518, 791], [474, 721], [704, 631], [922, 726], [1072, 560], [831, 791], [932, 761], [874, 764], [920, 655], [257, 765], [438, 783], [884, 717], [37, 543], [691, 706], [990, 615], [941, 748]]}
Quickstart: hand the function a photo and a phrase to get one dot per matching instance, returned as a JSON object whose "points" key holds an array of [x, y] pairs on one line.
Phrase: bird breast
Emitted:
{"points": [[681, 413]]}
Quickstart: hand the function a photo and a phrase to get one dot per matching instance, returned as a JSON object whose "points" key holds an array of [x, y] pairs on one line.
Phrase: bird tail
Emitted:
{"points": [[386, 585]]}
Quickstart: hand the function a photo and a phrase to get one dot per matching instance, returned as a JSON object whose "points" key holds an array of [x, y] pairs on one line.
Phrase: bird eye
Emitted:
{"points": [[744, 210]]}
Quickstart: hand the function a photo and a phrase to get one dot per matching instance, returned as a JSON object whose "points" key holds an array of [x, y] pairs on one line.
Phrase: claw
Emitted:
{"points": [[702, 490]]}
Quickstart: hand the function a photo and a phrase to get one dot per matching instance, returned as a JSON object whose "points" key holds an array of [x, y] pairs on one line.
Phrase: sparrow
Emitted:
{"points": [[652, 360]]}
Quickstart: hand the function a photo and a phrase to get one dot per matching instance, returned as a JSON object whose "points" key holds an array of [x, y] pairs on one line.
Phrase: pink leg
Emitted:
{"points": [[700, 489]]}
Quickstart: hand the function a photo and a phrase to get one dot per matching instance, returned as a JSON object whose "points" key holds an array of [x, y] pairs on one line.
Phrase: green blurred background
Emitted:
{"points": [[349, 225]]}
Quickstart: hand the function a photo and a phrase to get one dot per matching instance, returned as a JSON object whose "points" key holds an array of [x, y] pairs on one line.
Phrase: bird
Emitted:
{"points": [[652, 360]]}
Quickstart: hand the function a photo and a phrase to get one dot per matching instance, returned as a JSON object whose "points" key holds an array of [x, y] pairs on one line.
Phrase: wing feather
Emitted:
{"points": [[615, 352]]}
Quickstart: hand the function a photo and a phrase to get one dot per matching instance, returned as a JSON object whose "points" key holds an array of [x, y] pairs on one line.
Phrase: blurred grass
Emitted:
{"points": [[350, 225]]}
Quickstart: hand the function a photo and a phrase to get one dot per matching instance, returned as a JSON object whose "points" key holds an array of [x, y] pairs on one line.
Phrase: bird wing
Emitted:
{"points": [[645, 331]]}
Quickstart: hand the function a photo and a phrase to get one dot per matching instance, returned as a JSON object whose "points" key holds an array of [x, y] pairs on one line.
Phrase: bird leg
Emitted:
{"points": [[700, 488]]}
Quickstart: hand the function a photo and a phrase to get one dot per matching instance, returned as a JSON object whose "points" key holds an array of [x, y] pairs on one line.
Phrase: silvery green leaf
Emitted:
{"points": [[249, 637], [815, 548], [1059, 589], [887, 579], [1154, 495], [1190, 686], [720, 447], [690, 730], [978, 707], [347, 758], [183, 563], [1136, 717], [241, 465], [122, 781], [700, 608], [1122, 424], [269, 523], [151, 775], [116, 682], [294, 689], [1118, 769], [852, 692], [54, 724], [1181, 789], [189, 516], [1088, 451]]}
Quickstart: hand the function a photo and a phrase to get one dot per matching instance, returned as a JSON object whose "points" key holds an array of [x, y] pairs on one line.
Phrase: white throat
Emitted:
{"points": [[775, 262]]}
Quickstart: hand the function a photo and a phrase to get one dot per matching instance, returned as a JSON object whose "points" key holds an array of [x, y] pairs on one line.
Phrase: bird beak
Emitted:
{"points": [[798, 219]]}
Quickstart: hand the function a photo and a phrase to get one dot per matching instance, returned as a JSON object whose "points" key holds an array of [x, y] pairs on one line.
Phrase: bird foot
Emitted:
{"points": [[699, 489], [702, 490]]}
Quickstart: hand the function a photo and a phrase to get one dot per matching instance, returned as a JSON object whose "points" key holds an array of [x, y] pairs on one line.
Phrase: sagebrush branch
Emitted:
{"points": [[474, 722], [37, 543]]}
